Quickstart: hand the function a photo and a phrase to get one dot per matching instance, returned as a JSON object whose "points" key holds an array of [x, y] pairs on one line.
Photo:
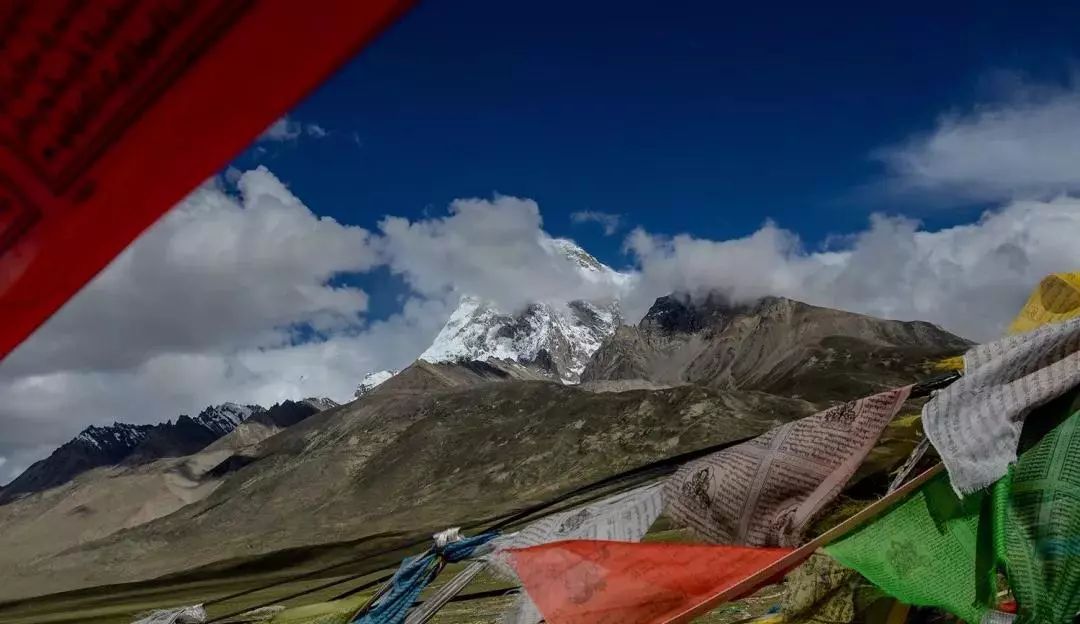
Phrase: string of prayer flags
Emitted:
{"points": [[766, 491], [604, 582], [975, 423]]}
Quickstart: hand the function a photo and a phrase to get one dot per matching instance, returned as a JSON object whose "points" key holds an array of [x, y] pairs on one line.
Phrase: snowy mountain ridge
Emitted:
{"points": [[373, 380], [222, 419], [556, 337], [115, 436]]}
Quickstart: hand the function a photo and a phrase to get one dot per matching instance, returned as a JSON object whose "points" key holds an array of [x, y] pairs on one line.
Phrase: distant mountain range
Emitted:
{"points": [[122, 443]]}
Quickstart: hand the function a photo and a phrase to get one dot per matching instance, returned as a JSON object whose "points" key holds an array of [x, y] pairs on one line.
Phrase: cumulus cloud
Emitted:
{"points": [[608, 221], [202, 309], [288, 129], [495, 249], [217, 271], [970, 279], [1025, 145]]}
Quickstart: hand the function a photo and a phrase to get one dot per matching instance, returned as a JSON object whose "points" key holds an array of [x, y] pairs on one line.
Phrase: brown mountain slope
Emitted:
{"points": [[107, 499], [399, 460], [775, 345]]}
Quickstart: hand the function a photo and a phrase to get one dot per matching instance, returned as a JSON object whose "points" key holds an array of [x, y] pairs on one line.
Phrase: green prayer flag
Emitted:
{"points": [[924, 551], [1037, 526]]}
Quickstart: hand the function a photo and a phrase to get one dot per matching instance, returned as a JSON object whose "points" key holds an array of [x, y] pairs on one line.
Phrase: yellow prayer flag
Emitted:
{"points": [[1056, 298]]}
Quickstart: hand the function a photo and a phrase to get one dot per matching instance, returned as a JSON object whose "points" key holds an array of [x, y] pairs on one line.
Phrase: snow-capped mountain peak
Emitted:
{"points": [[373, 380], [557, 337], [114, 436], [321, 403], [222, 419]]}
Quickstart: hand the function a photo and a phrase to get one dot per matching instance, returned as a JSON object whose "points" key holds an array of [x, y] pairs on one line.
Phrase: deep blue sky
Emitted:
{"points": [[686, 117]]}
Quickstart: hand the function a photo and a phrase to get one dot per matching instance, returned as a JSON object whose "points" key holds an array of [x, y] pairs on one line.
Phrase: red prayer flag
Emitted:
{"points": [[598, 582], [112, 110]]}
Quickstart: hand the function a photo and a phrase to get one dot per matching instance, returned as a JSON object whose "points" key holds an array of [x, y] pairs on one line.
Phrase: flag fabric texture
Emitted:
{"points": [[601, 582], [1055, 299], [623, 517], [924, 552], [195, 614], [1037, 526], [766, 491], [975, 423], [112, 110]]}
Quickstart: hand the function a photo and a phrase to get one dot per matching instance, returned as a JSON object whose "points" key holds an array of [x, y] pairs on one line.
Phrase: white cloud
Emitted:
{"points": [[489, 248], [217, 272], [192, 313], [608, 221], [1026, 145], [287, 129], [970, 279]]}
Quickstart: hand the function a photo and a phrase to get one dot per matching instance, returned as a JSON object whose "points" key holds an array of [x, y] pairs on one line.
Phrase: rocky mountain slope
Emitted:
{"points": [[556, 339], [775, 345]]}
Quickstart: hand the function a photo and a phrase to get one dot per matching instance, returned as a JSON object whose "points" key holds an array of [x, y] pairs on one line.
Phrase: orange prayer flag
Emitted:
{"points": [[603, 582], [112, 110]]}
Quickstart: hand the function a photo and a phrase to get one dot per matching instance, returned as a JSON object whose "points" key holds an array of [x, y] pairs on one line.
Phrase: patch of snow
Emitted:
{"points": [[373, 380], [222, 419], [112, 437], [321, 403]]}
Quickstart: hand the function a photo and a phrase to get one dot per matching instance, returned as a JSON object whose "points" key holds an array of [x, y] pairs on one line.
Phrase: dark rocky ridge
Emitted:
{"points": [[95, 446]]}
